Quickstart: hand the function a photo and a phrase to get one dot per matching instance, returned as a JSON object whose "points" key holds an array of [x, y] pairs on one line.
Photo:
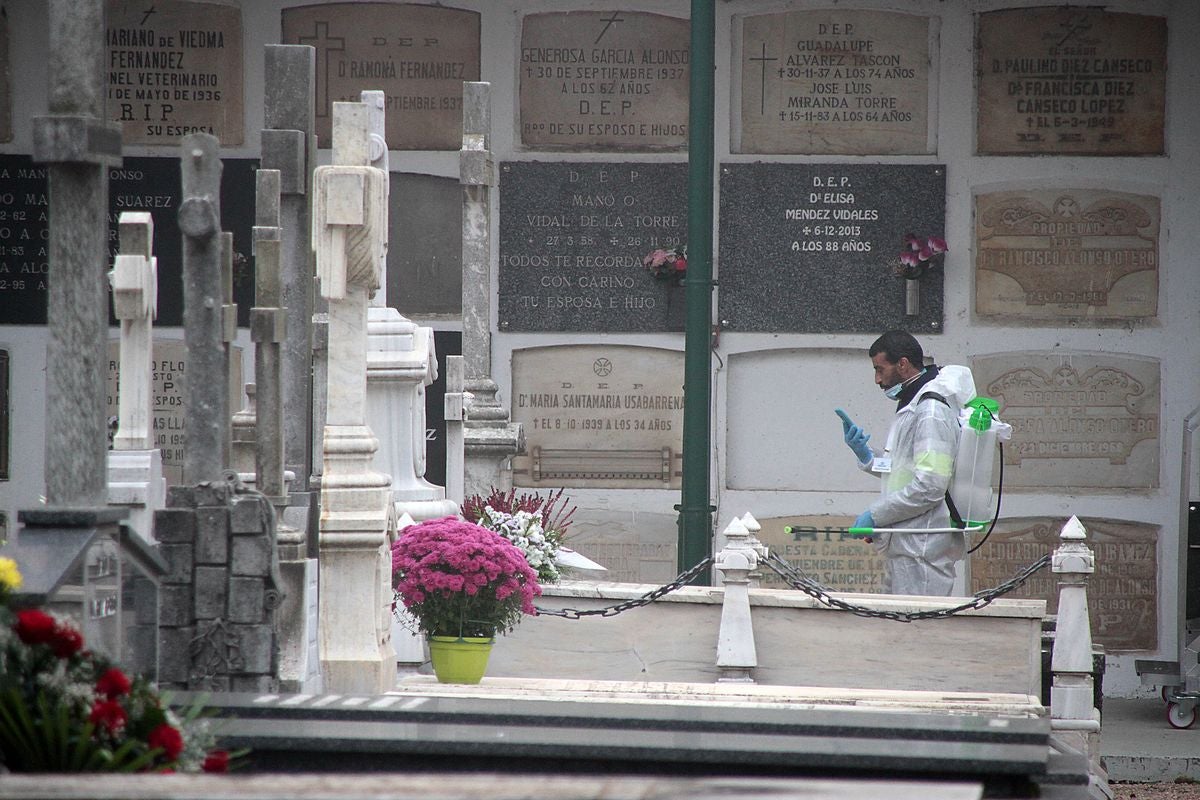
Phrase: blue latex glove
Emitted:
{"points": [[855, 437], [865, 520]]}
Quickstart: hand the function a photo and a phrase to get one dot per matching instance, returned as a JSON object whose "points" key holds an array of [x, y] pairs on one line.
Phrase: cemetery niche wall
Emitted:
{"points": [[141, 184], [814, 248]]}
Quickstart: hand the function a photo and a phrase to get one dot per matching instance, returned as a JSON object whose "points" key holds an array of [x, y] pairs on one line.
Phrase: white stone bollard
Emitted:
{"points": [[736, 654]]}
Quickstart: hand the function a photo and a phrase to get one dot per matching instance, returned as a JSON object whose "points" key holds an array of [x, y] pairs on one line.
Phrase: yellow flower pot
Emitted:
{"points": [[460, 660]]}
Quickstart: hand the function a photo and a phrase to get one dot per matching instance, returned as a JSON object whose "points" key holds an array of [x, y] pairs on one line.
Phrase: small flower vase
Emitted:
{"points": [[458, 659], [912, 296]]}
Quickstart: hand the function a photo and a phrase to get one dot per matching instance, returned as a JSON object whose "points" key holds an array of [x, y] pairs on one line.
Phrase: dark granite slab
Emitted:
{"points": [[808, 248]]}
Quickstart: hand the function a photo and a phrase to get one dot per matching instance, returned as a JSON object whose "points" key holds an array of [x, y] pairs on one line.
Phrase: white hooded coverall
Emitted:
{"points": [[921, 446]]}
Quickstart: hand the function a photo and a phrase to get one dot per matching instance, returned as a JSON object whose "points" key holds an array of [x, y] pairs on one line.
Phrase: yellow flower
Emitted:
{"points": [[10, 576]]}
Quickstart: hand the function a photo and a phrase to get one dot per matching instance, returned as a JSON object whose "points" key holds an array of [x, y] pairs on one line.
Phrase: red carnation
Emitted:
{"points": [[169, 739], [34, 627], [107, 715], [216, 761], [67, 641], [112, 683], [680, 264]]}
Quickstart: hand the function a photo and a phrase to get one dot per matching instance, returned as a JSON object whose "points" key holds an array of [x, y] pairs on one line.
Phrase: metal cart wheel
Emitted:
{"points": [[1180, 719]]}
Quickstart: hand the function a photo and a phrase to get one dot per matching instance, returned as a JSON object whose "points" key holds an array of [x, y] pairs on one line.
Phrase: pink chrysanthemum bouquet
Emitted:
{"points": [[457, 578]]}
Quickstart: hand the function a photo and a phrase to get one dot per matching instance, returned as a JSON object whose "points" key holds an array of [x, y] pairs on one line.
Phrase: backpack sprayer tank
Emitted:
{"points": [[971, 486]]}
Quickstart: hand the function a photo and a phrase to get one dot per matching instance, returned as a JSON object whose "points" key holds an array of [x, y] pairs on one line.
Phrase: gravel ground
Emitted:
{"points": [[1155, 791]]}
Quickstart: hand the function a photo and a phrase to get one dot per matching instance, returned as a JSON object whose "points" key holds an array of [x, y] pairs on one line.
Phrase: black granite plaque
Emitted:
{"points": [[425, 245], [572, 240], [140, 184], [814, 248], [446, 343]]}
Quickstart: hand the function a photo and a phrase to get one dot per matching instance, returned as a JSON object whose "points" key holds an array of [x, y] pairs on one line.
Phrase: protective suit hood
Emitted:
{"points": [[952, 382]]}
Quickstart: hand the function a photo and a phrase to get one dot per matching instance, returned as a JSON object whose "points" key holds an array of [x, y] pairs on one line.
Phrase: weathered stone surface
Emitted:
{"points": [[246, 515], [211, 592], [599, 416], [1081, 81], [212, 535], [604, 80], [258, 647], [634, 546], [246, 600], [179, 557], [176, 604], [258, 684], [1122, 593], [820, 547], [175, 525], [1067, 253], [202, 51], [833, 81], [1079, 419], [424, 277], [215, 493], [174, 648], [251, 554], [419, 55]]}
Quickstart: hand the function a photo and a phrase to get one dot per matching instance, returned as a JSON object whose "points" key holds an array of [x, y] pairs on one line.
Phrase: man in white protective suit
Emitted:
{"points": [[915, 467]]}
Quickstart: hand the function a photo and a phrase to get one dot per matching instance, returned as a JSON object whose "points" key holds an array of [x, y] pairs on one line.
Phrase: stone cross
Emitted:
{"points": [[267, 329], [135, 479], [233, 376], [349, 231], [490, 439], [79, 146], [207, 391], [289, 145], [135, 301], [454, 402]]}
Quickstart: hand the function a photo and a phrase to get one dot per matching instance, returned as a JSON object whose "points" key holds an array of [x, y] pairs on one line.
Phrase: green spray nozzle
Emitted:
{"points": [[984, 411]]}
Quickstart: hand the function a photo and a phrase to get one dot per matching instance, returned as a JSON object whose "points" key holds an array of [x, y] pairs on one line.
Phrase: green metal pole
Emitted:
{"points": [[695, 517]]}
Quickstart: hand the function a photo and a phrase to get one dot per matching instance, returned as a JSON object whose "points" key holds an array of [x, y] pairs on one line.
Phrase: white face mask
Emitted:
{"points": [[892, 392]]}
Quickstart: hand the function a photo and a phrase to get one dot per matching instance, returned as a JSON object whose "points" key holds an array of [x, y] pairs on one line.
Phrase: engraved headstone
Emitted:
{"points": [[820, 547], [598, 416], [418, 55], [1067, 253], [833, 81], [813, 247], [572, 240], [633, 546], [1122, 594], [1080, 420], [140, 184], [5, 83], [604, 80], [1062, 80], [424, 276], [174, 67]]}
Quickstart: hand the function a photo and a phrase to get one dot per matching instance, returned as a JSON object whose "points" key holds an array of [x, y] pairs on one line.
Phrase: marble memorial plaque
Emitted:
{"points": [[168, 422], [1067, 254], [140, 184], [633, 546], [572, 239], [418, 55], [833, 81], [5, 84], [604, 80], [1078, 81], [174, 68], [1080, 420], [599, 416], [1122, 593], [424, 275], [814, 247], [820, 547]]}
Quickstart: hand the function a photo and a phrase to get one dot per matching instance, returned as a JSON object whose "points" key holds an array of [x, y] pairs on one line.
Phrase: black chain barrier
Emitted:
{"points": [[798, 579], [649, 597]]}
